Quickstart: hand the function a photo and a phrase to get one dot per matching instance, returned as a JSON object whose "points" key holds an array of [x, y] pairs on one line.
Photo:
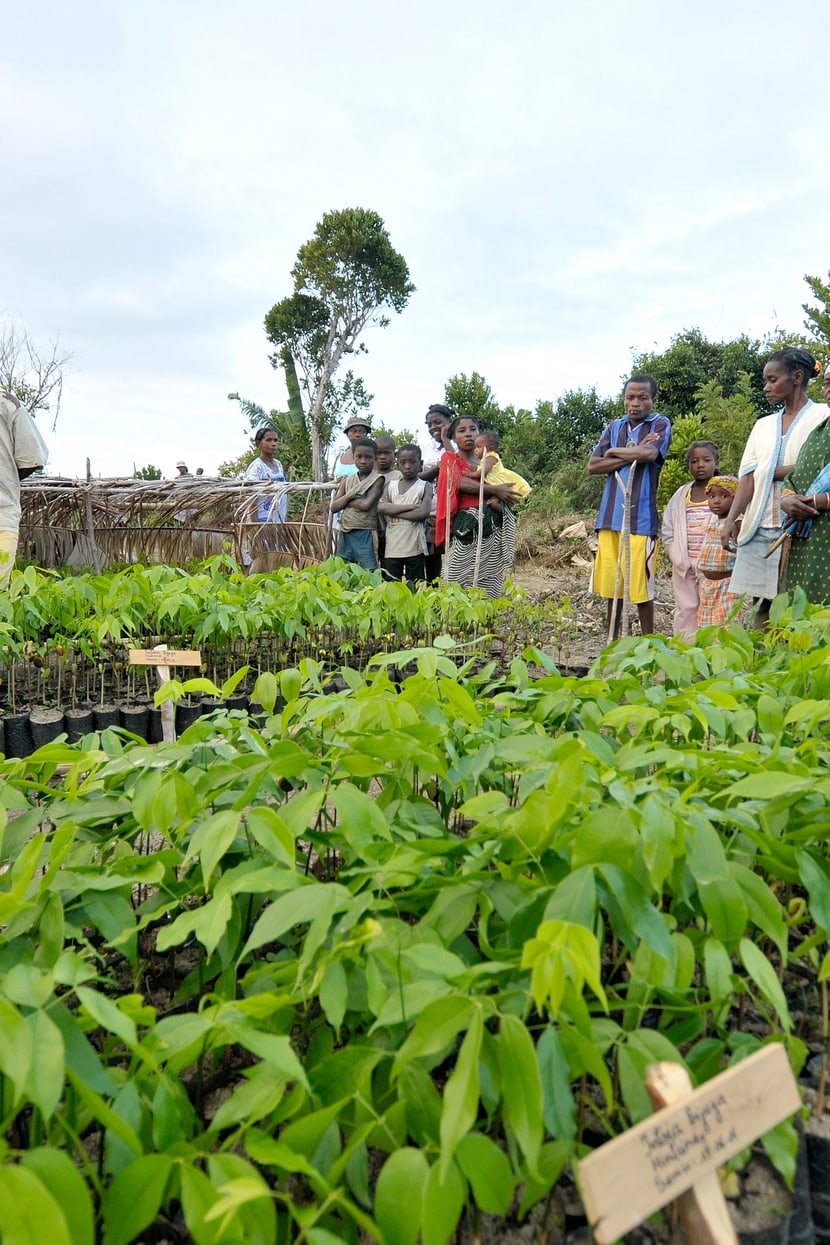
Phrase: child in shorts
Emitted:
{"points": [[404, 506], [356, 501], [641, 437]]}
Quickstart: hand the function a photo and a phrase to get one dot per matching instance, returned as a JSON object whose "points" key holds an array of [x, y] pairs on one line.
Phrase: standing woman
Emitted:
{"points": [[770, 454], [268, 468], [459, 515], [438, 418]]}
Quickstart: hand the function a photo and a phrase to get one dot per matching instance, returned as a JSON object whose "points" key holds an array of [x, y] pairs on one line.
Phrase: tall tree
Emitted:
{"points": [[33, 374], [345, 278], [472, 396]]}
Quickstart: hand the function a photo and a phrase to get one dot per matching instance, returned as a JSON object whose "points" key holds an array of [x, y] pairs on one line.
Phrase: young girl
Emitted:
{"points": [[684, 523], [714, 563]]}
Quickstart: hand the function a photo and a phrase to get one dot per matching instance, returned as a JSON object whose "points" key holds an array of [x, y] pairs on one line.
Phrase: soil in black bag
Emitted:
{"points": [[134, 719], [186, 715], [817, 1133], [18, 730], [106, 715], [2, 738], [237, 701], [155, 734], [46, 724], [77, 723]]}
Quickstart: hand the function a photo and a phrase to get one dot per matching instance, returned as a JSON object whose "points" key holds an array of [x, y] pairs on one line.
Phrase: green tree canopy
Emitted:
{"points": [[472, 396], [818, 318], [147, 473], [346, 277], [692, 361]]}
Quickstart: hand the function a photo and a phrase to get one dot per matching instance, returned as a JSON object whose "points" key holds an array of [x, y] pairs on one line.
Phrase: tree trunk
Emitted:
{"points": [[292, 384]]}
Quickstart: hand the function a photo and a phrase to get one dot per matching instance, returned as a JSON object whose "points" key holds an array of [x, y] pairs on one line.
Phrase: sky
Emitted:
{"points": [[568, 182]]}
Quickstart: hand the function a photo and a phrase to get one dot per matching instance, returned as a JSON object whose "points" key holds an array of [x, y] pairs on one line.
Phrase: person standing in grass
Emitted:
{"points": [[685, 520], [356, 501], [641, 439]]}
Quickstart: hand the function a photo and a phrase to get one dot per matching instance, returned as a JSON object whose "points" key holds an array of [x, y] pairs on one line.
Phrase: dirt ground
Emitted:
{"points": [[554, 557]]}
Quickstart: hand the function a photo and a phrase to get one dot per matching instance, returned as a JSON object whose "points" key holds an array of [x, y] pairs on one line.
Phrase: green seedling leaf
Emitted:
{"points": [[133, 1200], [816, 878], [108, 1015], [15, 1046], [45, 1079], [442, 1205], [29, 1213], [559, 1107], [461, 1093], [66, 1185], [399, 1196], [360, 819], [488, 1170], [271, 833], [766, 979], [521, 1088], [254, 1099], [212, 838], [298, 907]]}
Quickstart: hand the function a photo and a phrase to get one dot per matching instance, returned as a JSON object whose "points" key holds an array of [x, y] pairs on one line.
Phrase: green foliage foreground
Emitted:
{"points": [[384, 957]]}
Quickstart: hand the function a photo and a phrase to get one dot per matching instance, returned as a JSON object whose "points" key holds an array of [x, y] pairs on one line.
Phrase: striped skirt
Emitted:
{"points": [[498, 549]]}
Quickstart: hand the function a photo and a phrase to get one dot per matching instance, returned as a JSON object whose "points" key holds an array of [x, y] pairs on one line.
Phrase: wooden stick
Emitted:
{"points": [[702, 1210], [477, 563], [626, 541], [612, 625], [447, 524], [168, 709]]}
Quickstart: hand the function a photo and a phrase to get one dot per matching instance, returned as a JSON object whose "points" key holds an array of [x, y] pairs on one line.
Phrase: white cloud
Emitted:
{"points": [[567, 183]]}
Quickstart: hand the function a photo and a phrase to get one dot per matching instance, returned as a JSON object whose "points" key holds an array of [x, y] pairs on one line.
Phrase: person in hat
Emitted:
{"points": [[356, 427], [182, 469]]}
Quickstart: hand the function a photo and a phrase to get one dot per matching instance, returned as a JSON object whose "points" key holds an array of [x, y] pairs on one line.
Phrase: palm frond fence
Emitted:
{"points": [[95, 523]]}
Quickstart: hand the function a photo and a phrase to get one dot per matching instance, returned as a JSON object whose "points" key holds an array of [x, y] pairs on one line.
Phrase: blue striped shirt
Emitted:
{"points": [[621, 432]]}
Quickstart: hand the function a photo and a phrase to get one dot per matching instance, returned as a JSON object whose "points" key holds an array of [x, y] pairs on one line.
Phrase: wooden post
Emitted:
{"points": [[702, 1210], [168, 709], [675, 1153], [163, 658], [477, 565], [94, 552]]}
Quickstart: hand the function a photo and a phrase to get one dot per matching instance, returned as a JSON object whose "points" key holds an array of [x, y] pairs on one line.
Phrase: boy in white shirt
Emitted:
{"points": [[405, 505]]}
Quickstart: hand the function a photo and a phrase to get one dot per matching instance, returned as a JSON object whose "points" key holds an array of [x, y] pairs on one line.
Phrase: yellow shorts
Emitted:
{"points": [[8, 548], [604, 577]]}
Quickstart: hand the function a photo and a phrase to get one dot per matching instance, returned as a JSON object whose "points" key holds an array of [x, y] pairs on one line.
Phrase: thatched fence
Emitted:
{"points": [[93, 523]]}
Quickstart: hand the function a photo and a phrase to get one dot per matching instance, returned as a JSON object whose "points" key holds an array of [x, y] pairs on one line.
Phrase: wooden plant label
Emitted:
{"points": [[165, 657], [631, 1177]]}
